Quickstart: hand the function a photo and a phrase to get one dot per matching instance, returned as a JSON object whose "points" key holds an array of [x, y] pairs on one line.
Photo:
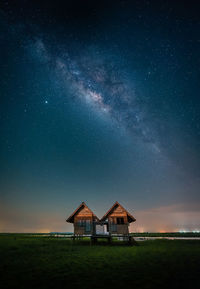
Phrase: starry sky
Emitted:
{"points": [[99, 102]]}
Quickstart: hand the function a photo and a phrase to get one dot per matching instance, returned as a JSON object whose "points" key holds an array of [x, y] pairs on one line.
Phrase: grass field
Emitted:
{"points": [[42, 262]]}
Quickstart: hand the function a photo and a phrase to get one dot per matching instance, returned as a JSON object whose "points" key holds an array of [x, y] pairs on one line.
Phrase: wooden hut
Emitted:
{"points": [[84, 221], [114, 223], [117, 220]]}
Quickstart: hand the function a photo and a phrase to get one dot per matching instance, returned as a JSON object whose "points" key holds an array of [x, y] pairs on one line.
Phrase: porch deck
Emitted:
{"points": [[109, 238]]}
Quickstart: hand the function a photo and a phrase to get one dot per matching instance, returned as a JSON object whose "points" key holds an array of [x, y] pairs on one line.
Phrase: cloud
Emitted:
{"points": [[173, 218]]}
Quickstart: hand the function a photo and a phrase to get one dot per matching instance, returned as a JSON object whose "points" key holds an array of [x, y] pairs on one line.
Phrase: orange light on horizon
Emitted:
{"points": [[43, 231]]}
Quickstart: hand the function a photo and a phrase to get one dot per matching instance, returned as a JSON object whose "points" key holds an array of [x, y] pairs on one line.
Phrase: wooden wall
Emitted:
{"points": [[86, 215], [115, 228], [83, 215]]}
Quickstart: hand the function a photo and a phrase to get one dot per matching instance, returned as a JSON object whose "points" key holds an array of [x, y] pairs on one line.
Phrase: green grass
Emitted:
{"points": [[42, 262]]}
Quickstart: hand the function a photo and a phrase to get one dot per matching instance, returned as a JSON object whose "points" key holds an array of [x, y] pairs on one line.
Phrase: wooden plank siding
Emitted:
{"points": [[83, 222], [114, 227], [82, 230], [116, 220]]}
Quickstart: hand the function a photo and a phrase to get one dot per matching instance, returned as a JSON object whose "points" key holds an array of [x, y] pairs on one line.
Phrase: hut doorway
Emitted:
{"points": [[99, 230], [102, 229]]}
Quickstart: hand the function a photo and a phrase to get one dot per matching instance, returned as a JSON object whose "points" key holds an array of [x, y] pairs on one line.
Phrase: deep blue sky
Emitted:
{"points": [[99, 101]]}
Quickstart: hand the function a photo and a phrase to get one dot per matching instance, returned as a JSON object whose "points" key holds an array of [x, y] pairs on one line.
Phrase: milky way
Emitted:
{"points": [[101, 80]]}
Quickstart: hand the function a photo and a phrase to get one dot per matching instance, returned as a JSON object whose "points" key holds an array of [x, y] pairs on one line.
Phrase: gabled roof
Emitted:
{"points": [[116, 204], [82, 205]]}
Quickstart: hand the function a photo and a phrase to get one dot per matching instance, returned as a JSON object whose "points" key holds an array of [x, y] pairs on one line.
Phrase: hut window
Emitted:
{"points": [[120, 221], [113, 227], [88, 226], [81, 223]]}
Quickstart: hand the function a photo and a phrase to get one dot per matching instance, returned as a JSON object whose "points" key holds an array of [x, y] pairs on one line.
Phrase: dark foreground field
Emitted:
{"points": [[42, 262]]}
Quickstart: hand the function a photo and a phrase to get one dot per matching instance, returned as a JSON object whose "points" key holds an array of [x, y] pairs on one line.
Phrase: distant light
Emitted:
{"points": [[46, 102], [184, 231]]}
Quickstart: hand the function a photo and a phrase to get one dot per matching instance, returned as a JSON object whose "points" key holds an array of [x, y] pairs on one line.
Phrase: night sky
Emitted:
{"points": [[99, 102]]}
